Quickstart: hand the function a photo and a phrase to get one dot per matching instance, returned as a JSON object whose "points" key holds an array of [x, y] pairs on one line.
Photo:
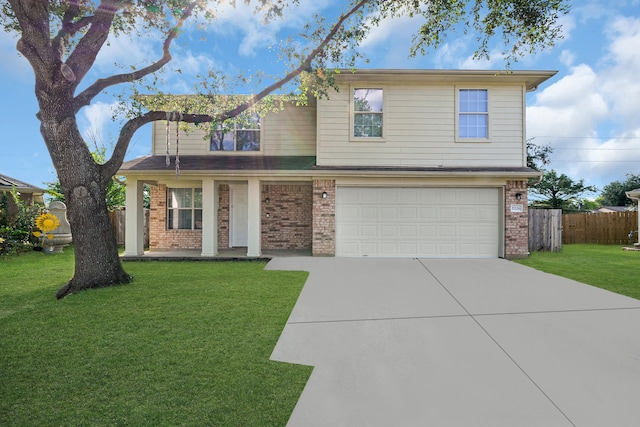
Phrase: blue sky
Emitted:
{"points": [[589, 112]]}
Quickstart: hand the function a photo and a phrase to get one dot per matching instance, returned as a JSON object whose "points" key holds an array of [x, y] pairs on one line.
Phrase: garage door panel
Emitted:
{"points": [[408, 212], [388, 213], [468, 214], [409, 196], [368, 212], [388, 249], [447, 230], [428, 231], [348, 230], [369, 230], [447, 214], [388, 231], [388, 195], [369, 248], [426, 222], [487, 213], [447, 197], [408, 231], [428, 212]]}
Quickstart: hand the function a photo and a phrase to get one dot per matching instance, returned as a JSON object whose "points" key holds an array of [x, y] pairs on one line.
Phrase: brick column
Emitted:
{"points": [[516, 233], [324, 218]]}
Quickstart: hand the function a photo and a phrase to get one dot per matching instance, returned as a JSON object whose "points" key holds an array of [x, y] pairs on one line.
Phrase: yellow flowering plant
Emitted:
{"points": [[46, 223]]}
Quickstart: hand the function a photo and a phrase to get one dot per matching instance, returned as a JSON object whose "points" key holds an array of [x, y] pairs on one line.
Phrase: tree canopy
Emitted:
{"points": [[61, 40], [614, 193], [559, 191]]}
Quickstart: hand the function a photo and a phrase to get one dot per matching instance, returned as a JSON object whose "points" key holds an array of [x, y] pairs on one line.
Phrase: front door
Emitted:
{"points": [[238, 225]]}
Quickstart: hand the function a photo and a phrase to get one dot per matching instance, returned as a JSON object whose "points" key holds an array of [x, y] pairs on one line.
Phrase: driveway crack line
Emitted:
{"points": [[495, 341]]}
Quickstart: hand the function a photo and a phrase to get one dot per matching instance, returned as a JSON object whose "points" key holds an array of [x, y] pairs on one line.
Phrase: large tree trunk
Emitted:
{"points": [[97, 263]]}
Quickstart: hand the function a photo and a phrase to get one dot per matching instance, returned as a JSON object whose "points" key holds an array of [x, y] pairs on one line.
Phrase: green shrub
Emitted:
{"points": [[15, 230]]}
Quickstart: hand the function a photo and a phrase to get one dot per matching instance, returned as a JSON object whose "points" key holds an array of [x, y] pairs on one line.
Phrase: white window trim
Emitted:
{"points": [[192, 209], [457, 115], [352, 113]]}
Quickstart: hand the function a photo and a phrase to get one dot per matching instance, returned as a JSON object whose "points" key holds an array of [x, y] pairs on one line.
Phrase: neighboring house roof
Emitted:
{"points": [[610, 209], [236, 163], [7, 183]]}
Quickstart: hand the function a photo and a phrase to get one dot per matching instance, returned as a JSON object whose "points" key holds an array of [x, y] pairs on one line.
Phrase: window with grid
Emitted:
{"points": [[242, 134], [367, 113], [184, 208], [473, 114]]}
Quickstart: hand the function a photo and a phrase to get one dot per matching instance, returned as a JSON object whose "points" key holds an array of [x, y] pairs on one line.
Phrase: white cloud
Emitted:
{"points": [[257, 33], [128, 50], [96, 119], [496, 60], [620, 77], [570, 107], [12, 62], [398, 31], [590, 116], [567, 58]]}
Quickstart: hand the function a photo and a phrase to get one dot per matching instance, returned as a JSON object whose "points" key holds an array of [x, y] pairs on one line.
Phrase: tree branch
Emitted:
{"points": [[305, 65], [111, 167], [84, 55], [33, 19], [84, 98], [129, 129]]}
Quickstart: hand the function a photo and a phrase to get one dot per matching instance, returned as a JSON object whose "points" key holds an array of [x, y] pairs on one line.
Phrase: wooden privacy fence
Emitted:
{"points": [[118, 220], [603, 228], [545, 230]]}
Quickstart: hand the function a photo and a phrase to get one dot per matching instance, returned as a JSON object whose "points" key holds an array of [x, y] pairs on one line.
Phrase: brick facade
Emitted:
{"points": [[286, 217], [223, 216], [300, 218], [516, 223], [159, 236], [324, 218], [288, 226]]}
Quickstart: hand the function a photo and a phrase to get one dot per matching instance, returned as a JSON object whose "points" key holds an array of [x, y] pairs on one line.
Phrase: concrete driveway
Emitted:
{"points": [[428, 342]]}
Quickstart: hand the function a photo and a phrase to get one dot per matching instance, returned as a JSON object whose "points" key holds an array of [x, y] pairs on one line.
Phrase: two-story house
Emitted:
{"points": [[397, 163]]}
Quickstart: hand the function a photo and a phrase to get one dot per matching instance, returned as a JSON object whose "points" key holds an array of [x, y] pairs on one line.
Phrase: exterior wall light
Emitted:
{"points": [[324, 194], [519, 196], [267, 200]]}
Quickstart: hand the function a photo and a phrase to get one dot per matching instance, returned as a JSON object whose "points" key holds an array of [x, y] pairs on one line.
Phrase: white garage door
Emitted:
{"points": [[417, 222]]}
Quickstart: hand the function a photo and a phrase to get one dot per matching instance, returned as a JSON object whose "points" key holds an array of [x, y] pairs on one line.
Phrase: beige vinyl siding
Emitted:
{"points": [[190, 143], [420, 129], [290, 132]]}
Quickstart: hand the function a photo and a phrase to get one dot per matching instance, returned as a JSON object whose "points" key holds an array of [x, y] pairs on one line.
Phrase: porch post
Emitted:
{"points": [[209, 218], [635, 196], [134, 223], [254, 219]]}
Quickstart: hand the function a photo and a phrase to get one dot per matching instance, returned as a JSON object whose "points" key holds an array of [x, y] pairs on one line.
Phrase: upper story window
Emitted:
{"points": [[241, 134], [367, 113], [473, 114], [184, 208]]}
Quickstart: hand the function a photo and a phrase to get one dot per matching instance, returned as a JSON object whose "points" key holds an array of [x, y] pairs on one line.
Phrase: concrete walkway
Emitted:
{"points": [[408, 342]]}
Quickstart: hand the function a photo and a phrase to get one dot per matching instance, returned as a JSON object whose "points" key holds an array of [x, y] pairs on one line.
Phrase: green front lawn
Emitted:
{"points": [[187, 343], [607, 267]]}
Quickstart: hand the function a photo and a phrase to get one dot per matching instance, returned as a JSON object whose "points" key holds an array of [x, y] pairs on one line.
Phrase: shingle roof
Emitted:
{"points": [[221, 163], [288, 163], [7, 182]]}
